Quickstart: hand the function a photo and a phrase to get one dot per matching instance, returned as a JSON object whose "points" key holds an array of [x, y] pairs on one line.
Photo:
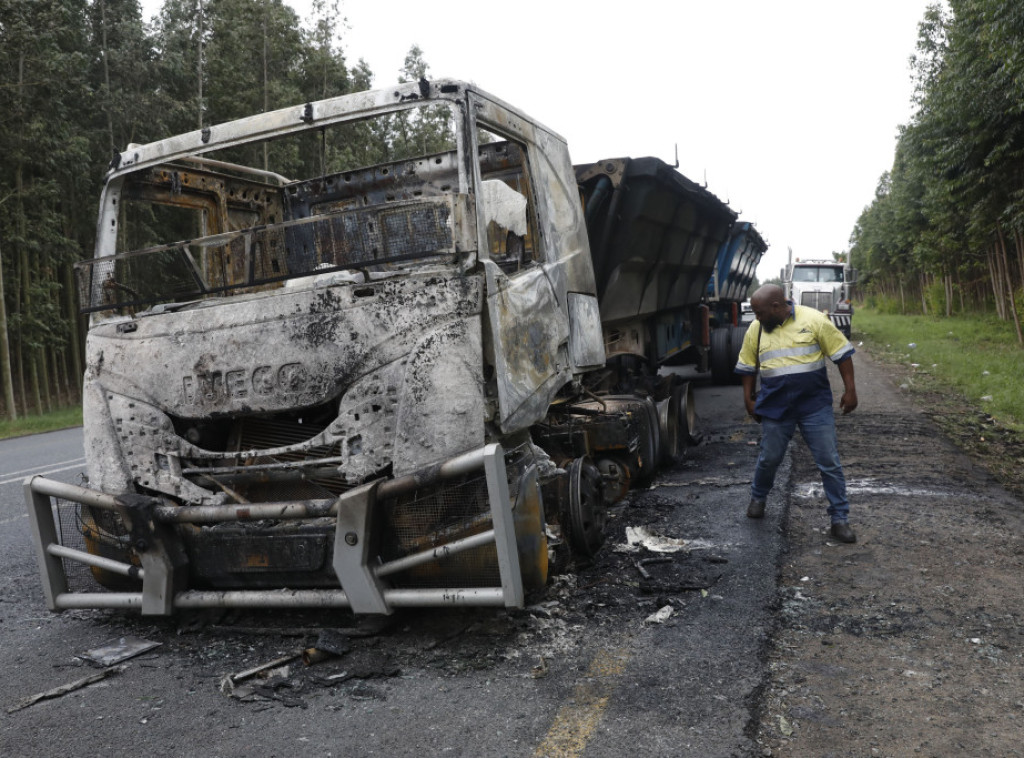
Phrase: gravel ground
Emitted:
{"points": [[910, 641]]}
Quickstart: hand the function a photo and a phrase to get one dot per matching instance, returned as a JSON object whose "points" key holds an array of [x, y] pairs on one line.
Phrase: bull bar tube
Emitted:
{"points": [[162, 572]]}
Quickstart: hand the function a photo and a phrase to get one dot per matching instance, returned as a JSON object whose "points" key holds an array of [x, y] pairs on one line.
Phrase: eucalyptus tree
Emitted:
{"points": [[181, 35], [43, 145], [955, 202]]}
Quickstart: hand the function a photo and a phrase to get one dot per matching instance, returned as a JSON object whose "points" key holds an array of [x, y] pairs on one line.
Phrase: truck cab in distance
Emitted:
{"points": [[823, 285]]}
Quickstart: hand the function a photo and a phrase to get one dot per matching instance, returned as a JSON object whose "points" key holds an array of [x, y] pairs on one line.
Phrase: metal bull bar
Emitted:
{"points": [[164, 568]]}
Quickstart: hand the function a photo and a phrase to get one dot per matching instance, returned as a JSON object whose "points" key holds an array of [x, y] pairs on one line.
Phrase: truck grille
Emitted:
{"points": [[820, 301], [226, 437]]}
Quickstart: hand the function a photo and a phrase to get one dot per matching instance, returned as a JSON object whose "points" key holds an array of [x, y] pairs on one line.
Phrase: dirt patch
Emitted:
{"points": [[909, 642]]}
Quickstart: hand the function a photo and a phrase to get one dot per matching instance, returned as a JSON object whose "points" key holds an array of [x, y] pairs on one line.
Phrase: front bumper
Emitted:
{"points": [[381, 551]]}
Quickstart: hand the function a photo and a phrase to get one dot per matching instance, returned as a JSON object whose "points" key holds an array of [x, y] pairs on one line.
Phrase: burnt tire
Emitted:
{"points": [[689, 424], [672, 442], [584, 516], [721, 368]]}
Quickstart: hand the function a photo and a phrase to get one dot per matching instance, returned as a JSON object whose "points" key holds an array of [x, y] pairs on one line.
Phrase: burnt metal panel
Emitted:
{"points": [[737, 263], [400, 359], [530, 337], [654, 235]]}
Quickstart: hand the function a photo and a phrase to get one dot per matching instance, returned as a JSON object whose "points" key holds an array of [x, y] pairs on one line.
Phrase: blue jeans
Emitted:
{"points": [[819, 432]]}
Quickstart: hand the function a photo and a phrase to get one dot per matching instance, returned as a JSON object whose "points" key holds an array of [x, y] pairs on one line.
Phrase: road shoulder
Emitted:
{"points": [[906, 643]]}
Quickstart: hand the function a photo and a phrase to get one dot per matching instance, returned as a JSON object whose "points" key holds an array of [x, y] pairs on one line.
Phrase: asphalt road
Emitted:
{"points": [[584, 671]]}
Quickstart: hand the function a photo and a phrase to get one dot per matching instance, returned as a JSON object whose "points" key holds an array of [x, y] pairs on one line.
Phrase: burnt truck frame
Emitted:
{"points": [[386, 385]]}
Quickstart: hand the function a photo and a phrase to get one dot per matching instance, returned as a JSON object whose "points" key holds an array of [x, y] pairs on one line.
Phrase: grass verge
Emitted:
{"points": [[978, 358], [48, 422], [963, 374]]}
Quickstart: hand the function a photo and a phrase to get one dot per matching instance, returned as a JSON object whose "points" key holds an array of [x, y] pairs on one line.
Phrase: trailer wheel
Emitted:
{"points": [[689, 427], [583, 524], [721, 369], [672, 441]]}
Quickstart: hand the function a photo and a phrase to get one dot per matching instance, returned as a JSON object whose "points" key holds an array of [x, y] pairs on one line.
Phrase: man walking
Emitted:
{"points": [[788, 345]]}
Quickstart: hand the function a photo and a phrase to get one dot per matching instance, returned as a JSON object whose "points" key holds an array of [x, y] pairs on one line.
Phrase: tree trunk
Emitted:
{"points": [[45, 380], [5, 353], [106, 76], [33, 377], [1008, 283], [1018, 242], [994, 277], [75, 342], [21, 292], [199, 65]]}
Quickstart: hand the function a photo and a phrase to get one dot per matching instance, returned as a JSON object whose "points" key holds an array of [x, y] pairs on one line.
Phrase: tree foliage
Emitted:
{"points": [[82, 79], [945, 231]]}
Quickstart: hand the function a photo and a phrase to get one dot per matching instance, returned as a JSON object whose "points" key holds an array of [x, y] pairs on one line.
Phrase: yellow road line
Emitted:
{"points": [[575, 722]]}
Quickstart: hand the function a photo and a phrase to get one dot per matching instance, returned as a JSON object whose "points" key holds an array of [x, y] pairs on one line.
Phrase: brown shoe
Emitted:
{"points": [[843, 533], [755, 509]]}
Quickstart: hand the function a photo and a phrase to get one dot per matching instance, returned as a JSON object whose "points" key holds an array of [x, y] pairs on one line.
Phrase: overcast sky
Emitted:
{"points": [[788, 110]]}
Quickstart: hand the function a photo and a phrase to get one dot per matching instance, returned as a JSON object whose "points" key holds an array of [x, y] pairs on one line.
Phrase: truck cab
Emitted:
{"points": [[823, 285]]}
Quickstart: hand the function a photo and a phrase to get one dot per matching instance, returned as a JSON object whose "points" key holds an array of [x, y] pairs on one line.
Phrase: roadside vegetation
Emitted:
{"points": [[977, 357], [48, 422], [964, 373], [944, 234]]}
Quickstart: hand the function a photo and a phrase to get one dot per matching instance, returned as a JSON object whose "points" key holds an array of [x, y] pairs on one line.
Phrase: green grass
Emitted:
{"points": [[48, 422], [977, 357]]}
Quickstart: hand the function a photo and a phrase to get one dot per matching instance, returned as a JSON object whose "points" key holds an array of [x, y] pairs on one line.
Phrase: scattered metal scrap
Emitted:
{"points": [[278, 680], [65, 688], [330, 644], [231, 682], [118, 650]]}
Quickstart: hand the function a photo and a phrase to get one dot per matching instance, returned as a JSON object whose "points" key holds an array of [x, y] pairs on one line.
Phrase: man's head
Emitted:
{"points": [[770, 306]]}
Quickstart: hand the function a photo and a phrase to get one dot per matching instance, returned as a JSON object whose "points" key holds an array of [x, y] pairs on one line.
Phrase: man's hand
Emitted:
{"points": [[750, 396], [848, 402]]}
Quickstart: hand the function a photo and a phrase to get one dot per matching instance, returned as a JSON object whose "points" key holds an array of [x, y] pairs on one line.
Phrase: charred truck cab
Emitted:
{"points": [[330, 364]]}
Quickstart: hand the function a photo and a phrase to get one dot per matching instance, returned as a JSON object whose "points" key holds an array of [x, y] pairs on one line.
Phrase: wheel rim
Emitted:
{"points": [[586, 516], [668, 420], [688, 416]]}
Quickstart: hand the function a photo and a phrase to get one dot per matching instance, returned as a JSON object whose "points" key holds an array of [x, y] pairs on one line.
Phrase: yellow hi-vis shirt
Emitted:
{"points": [[794, 380]]}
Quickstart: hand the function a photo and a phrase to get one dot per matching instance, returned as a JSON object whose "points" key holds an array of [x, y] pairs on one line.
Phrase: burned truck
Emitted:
{"points": [[354, 354]]}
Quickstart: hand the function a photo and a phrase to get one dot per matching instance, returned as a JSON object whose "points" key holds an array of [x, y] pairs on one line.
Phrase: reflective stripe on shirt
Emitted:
{"points": [[797, 368], [790, 352]]}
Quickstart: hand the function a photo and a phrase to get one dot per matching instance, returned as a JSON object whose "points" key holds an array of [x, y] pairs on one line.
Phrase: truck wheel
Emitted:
{"points": [[668, 423], [649, 451], [689, 424], [583, 521], [721, 369]]}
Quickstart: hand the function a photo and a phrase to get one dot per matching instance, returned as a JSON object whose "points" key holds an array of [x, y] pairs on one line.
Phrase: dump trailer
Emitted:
{"points": [[728, 288], [655, 237], [825, 285], [329, 365]]}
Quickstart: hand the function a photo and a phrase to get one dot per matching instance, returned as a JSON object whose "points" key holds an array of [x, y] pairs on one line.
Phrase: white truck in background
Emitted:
{"points": [[825, 285]]}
